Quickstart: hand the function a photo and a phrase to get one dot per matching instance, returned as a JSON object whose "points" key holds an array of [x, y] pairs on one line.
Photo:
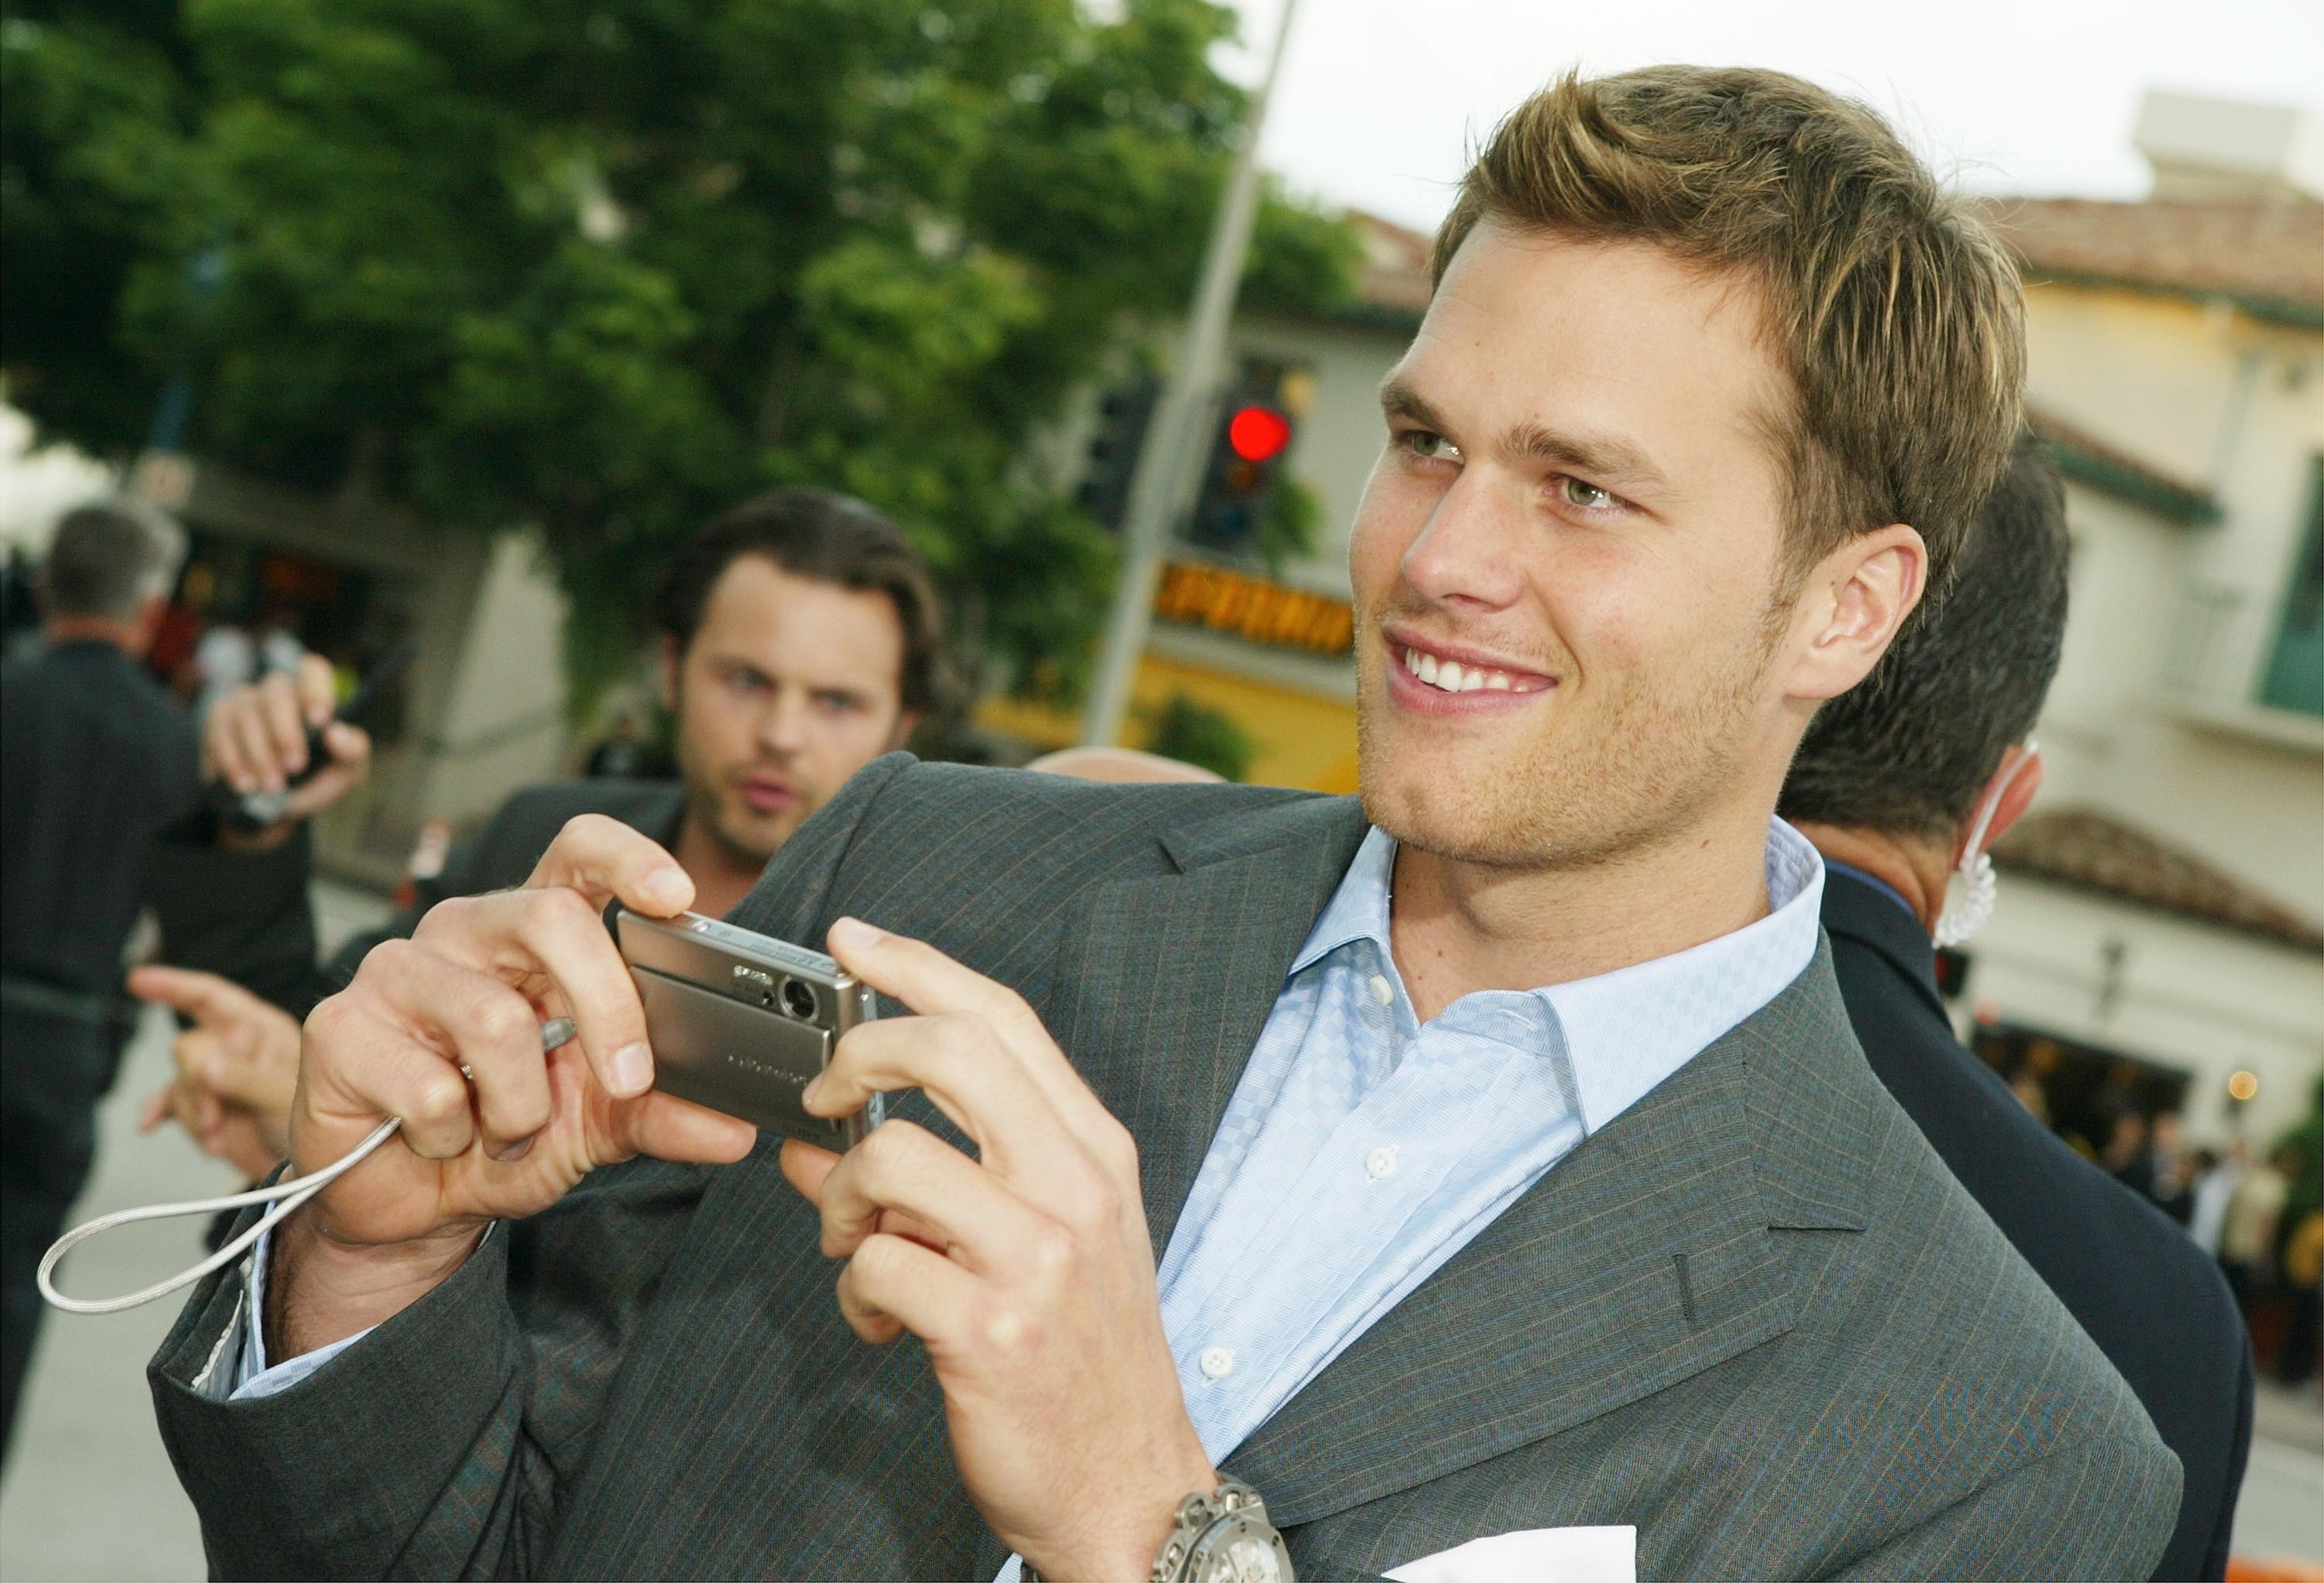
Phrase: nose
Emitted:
{"points": [[783, 723], [1469, 554]]}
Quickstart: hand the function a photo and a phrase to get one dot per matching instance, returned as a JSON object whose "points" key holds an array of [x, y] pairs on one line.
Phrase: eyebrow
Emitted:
{"points": [[1604, 459]]}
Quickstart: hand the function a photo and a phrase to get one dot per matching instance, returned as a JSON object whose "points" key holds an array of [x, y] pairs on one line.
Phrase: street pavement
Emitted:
{"points": [[89, 1493]]}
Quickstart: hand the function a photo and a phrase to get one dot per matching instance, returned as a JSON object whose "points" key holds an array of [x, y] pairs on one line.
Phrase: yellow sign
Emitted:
{"points": [[1254, 608]]}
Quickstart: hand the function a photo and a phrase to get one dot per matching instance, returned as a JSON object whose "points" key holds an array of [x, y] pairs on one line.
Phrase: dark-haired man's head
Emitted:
{"points": [[1890, 776], [1712, 378], [110, 569], [801, 639]]}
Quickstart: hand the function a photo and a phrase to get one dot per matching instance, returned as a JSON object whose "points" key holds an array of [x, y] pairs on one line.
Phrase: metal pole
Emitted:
{"points": [[1158, 486]]}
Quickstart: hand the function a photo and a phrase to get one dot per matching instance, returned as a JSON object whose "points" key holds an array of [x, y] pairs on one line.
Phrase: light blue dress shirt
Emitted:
{"points": [[1362, 1149]]}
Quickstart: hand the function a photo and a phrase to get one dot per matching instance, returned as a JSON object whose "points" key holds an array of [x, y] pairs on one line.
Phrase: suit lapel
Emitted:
{"points": [[1168, 979], [1642, 1258]]}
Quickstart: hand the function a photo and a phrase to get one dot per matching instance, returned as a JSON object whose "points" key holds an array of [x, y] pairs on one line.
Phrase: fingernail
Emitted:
{"points": [[515, 1152], [666, 886], [855, 935], [807, 1094], [632, 1071]]}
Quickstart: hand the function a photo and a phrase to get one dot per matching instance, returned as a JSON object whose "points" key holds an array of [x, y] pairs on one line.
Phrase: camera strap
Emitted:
{"points": [[290, 1190]]}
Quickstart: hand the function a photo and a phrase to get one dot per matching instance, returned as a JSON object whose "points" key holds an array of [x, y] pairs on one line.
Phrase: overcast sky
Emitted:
{"points": [[2033, 96]]}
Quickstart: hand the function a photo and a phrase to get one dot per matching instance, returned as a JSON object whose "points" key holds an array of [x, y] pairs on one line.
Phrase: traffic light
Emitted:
{"points": [[1124, 414], [1254, 433]]}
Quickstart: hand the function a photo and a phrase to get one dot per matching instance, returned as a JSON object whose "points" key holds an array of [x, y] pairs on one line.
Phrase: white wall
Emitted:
{"points": [[2191, 996], [2224, 401], [2238, 407], [504, 724], [2111, 738]]}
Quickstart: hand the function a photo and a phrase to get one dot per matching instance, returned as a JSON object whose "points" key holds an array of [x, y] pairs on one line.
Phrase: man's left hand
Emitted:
{"points": [[1027, 1274]]}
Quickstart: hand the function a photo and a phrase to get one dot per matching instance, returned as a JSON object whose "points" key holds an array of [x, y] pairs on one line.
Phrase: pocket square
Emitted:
{"points": [[1533, 1555]]}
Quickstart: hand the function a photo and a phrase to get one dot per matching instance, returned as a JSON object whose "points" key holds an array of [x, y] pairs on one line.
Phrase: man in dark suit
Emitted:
{"points": [[99, 763], [801, 639], [1891, 784], [1514, 1174]]}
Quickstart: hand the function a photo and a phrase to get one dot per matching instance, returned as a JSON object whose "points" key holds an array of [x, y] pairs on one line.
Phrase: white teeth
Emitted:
{"points": [[1452, 676]]}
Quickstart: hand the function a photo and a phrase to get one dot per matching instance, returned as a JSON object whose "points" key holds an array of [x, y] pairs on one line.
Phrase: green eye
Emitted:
{"points": [[1588, 497]]}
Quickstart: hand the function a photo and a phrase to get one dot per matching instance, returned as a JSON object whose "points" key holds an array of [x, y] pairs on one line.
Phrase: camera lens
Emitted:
{"points": [[799, 999]]}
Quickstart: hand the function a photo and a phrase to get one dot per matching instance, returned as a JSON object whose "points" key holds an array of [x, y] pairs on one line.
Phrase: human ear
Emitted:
{"points": [[907, 722], [1852, 607], [2019, 778]]}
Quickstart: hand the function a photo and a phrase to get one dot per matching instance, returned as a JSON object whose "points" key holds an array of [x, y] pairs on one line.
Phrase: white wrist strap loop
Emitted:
{"points": [[292, 1191], [1972, 909]]}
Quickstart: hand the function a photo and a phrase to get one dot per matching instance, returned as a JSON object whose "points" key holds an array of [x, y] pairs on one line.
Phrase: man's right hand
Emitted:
{"points": [[254, 739], [237, 1068], [467, 994]]}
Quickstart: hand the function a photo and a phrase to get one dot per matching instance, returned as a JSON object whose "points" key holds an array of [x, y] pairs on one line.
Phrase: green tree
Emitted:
{"points": [[598, 269], [1192, 731]]}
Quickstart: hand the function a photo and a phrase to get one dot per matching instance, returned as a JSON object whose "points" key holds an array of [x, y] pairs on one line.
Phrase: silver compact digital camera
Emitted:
{"points": [[742, 1022]]}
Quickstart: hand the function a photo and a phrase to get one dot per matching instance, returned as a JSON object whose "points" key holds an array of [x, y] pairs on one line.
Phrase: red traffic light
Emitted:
{"points": [[1257, 434]]}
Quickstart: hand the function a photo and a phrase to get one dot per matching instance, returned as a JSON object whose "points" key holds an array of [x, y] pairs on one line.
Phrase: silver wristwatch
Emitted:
{"points": [[1223, 1537]]}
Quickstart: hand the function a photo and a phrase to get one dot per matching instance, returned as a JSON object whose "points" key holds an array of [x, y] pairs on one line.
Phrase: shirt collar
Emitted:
{"points": [[1358, 909], [1627, 1030]]}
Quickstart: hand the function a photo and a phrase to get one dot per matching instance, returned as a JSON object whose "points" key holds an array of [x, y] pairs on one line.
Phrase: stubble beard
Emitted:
{"points": [[710, 807], [1629, 773]]}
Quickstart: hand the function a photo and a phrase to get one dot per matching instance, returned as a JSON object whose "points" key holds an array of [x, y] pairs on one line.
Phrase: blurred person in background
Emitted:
{"points": [[620, 756], [1888, 783], [801, 639], [101, 760], [2247, 1234], [225, 659], [2303, 1279], [2211, 1181], [1509, 1161], [20, 606], [2174, 1187], [2029, 1092], [2125, 1154]]}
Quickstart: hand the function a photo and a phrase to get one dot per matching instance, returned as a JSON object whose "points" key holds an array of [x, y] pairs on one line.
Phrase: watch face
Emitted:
{"points": [[1249, 1558], [1240, 1547]]}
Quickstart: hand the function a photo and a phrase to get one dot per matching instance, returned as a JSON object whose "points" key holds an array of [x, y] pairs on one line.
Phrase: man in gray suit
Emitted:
{"points": [[1513, 1173]]}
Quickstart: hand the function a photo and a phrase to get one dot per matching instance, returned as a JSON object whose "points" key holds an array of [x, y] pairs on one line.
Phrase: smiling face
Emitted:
{"points": [[1574, 641], [789, 686]]}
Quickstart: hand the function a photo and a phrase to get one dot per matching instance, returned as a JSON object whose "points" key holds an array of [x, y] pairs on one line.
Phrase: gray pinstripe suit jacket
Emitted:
{"points": [[1753, 1316]]}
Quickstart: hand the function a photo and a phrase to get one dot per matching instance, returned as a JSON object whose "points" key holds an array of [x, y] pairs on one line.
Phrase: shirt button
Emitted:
{"points": [[1381, 1163], [1217, 1362], [1382, 990]]}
